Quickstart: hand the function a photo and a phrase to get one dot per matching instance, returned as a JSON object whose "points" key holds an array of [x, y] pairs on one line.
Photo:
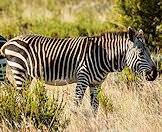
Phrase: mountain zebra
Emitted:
{"points": [[83, 60], [2, 62]]}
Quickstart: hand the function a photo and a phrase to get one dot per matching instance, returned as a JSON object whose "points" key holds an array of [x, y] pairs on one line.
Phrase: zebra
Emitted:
{"points": [[82, 60], [2, 62]]}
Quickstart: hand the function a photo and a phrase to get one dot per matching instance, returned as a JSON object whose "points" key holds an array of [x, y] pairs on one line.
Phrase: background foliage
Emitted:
{"points": [[77, 18], [144, 14]]}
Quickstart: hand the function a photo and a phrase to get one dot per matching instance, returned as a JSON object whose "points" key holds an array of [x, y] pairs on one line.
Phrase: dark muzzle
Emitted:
{"points": [[151, 75]]}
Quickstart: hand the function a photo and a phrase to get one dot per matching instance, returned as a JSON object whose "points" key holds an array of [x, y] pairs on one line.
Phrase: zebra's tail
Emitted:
{"points": [[2, 42]]}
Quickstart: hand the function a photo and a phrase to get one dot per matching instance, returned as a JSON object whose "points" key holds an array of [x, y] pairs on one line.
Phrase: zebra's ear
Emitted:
{"points": [[140, 33], [132, 33]]}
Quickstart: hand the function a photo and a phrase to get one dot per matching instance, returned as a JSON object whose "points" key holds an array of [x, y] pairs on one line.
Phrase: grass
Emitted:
{"points": [[123, 107], [54, 18]]}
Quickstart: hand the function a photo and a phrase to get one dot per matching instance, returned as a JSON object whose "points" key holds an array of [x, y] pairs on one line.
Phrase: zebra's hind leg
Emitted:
{"points": [[94, 90]]}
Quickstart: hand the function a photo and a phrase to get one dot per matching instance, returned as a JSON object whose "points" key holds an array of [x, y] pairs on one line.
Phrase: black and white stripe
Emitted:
{"points": [[84, 60], [2, 61]]}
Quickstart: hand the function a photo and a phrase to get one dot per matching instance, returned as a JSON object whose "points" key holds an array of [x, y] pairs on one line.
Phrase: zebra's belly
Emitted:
{"points": [[60, 82]]}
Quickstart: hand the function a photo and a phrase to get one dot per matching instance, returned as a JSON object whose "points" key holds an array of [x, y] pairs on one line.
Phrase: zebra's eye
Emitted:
{"points": [[140, 40]]}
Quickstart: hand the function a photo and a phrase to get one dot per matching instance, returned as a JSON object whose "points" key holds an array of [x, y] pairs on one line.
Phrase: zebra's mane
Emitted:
{"points": [[105, 35], [121, 34], [112, 35]]}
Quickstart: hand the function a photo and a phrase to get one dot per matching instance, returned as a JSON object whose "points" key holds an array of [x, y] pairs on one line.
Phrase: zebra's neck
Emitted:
{"points": [[110, 51]]}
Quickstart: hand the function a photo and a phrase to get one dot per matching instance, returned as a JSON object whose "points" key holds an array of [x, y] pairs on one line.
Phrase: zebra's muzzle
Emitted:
{"points": [[151, 75]]}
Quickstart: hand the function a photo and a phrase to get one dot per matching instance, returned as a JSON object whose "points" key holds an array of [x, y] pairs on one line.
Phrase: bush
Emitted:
{"points": [[106, 103], [32, 106], [144, 14], [129, 79]]}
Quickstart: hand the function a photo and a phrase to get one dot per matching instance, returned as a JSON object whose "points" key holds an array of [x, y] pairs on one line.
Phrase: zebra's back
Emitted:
{"points": [[54, 59]]}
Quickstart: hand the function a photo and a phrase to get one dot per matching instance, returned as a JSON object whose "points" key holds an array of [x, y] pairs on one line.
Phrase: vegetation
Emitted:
{"points": [[144, 14], [33, 108], [126, 102], [79, 18], [52, 18]]}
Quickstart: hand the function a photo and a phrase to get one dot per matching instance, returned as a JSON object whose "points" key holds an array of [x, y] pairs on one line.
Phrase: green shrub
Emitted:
{"points": [[129, 79], [32, 105], [127, 75], [144, 14], [106, 103]]}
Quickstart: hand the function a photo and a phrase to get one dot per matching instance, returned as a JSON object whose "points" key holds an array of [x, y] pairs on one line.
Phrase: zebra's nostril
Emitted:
{"points": [[153, 68], [151, 75]]}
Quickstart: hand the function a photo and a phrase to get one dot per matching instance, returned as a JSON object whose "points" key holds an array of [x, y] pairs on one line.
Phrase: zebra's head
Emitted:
{"points": [[138, 56]]}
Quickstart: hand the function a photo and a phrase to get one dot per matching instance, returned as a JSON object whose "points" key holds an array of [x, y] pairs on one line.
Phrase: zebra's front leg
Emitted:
{"points": [[94, 90], [82, 84], [79, 93]]}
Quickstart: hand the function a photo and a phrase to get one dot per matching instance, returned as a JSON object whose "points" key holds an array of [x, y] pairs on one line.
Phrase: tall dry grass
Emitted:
{"points": [[135, 107], [125, 105]]}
